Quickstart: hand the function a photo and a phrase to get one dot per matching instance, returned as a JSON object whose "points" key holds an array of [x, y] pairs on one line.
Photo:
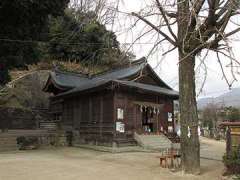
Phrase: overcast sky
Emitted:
{"points": [[168, 68]]}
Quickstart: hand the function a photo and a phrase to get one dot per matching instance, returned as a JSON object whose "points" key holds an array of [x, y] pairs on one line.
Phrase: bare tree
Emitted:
{"points": [[210, 117], [101, 9], [191, 27]]}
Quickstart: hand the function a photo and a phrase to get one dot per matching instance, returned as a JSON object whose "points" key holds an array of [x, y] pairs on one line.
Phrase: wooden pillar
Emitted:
{"points": [[173, 119], [79, 113], [156, 115], [114, 116], [228, 141], [90, 110], [89, 115], [135, 118], [101, 115]]}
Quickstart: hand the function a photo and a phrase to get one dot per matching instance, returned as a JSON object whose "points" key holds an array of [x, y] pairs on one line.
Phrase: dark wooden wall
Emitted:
{"points": [[94, 115], [91, 115], [133, 115]]}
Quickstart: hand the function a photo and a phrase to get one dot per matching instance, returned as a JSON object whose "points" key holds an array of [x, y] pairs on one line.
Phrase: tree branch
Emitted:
{"points": [[165, 19], [155, 28]]}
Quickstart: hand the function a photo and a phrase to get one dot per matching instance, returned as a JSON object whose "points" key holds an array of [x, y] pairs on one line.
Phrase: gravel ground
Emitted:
{"points": [[77, 163]]}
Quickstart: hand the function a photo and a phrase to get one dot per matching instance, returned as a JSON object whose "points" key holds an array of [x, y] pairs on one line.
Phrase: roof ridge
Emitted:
{"points": [[131, 64], [140, 61], [58, 71]]}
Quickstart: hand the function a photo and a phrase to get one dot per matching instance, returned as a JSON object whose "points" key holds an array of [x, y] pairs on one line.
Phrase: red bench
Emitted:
{"points": [[173, 156]]}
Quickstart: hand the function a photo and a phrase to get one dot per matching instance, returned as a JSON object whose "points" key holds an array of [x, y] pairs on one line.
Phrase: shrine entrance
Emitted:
{"points": [[149, 117]]}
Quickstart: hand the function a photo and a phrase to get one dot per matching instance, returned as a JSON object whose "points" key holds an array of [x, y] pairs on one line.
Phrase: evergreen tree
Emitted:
{"points": [[78, 36], [23, 23]]}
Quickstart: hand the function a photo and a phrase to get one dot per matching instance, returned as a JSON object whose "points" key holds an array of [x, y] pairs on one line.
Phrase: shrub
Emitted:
{"points": [[237, 177], [27, 142], [232, 161]]}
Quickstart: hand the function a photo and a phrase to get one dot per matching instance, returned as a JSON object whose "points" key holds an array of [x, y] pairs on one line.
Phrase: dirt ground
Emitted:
{"points": [[76, 164]]}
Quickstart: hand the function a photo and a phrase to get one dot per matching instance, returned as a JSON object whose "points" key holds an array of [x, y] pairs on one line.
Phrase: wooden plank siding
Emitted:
{"points": [[95, 115], [133, 115], [91, 115]]}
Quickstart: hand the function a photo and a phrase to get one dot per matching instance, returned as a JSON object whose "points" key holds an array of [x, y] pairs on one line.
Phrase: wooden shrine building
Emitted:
{"points": [[232, 135], [112, 106]]}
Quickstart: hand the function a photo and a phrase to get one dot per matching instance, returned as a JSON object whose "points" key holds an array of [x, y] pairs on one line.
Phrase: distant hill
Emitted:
{"points": [[231, 98]]}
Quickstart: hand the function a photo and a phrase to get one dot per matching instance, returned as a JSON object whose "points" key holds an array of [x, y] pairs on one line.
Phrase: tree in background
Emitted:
{"points": [[232, 114], [78, 36], [209, 116], [210, 119], [33, 31], [22, 24]]}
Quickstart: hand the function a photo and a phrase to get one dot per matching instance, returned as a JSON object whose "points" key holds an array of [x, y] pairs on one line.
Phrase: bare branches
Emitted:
{"points": [[166, 20], [155, 28], [201, 24], [223, 72], [197, 5]]}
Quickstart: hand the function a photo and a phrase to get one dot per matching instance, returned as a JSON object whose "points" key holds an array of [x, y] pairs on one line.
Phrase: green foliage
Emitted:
{"points": [[25, 21], [33, 30], [237, 177], [25, 142], [232, 113], [232, 161], [79, 37]]}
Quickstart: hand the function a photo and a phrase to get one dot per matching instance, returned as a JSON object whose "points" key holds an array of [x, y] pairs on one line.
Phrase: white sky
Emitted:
{"points": [[168, 68]]}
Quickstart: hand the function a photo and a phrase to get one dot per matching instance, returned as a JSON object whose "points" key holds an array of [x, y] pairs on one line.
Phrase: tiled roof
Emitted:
{"points": [[68, 80], [93, 85], [77, 83]]}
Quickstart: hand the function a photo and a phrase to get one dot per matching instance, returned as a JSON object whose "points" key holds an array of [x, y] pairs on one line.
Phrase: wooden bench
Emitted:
{"points": [[173, 156]]}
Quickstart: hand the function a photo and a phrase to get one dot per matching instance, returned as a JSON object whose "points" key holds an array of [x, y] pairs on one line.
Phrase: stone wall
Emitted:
{"points": [[18, 118], [8, 139], [23, 103]]}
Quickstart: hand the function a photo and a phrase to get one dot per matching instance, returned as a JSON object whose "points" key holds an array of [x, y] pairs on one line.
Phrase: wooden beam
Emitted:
{"points": [[101, 114], [142, 103]]}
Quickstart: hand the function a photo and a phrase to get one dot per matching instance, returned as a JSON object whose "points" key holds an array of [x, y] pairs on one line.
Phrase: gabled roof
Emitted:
{"points": [[96, 85], [67, 80], [71, 83]]}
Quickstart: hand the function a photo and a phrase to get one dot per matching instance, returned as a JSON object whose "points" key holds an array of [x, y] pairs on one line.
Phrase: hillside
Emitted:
{"points": [[231, 98], [26, 91]]}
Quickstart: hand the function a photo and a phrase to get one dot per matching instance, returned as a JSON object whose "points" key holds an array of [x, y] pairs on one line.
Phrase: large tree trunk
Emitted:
{"points": [[188, 116]]}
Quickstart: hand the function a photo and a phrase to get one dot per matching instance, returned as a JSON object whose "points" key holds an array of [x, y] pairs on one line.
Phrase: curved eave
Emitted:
{"points": [[173, 95], [52, 81], [116, 84], [77, 91]]}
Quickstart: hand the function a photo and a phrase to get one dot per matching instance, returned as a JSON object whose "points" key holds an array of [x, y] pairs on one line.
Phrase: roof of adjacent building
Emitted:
{"points": [[73, 83], [227, 123]]}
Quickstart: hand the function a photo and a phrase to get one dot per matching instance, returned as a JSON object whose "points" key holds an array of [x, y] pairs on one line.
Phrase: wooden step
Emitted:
{"points": [[125, 142]]}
